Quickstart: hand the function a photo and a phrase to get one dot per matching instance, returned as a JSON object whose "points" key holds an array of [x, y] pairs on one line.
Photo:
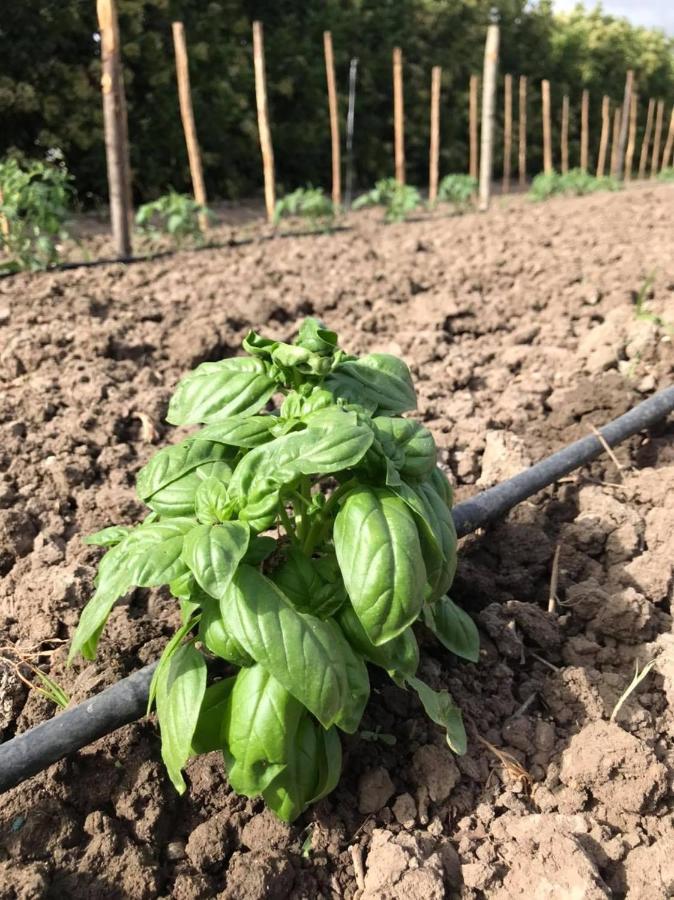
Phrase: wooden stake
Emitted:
{"points": [[187, 116], [645, 143], [116, 133], [655, 157], [669, 145], [507, 129], [522, 149], [585, 130], [615, 140], [398, 115], [263, 121], [434, 150], [488, 104], [624, 122], [334, 120], [473, 162], [547, 131], [631, 138], [350, 124], [565, 134], [603, 141]]}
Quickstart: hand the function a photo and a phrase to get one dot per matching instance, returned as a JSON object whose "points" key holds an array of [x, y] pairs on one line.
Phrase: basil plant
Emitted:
{"points": [[302, 539]]}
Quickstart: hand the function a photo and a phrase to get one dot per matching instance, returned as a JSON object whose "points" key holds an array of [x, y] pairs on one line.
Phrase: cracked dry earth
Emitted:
{"points": [[521, 332]]}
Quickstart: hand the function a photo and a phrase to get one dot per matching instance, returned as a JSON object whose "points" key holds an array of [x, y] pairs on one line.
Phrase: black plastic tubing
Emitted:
{"points": [[124, 702]]}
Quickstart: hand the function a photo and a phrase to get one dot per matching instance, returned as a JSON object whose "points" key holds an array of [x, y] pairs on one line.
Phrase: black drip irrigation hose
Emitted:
{"points": [[124, 702]]}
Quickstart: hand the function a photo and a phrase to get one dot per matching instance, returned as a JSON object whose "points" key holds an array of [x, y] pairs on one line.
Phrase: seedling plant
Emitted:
{"points": [[303, 530], [307, 203], [177, 215], [574, 183], [35, 199], [457, 189], [398, 200]]}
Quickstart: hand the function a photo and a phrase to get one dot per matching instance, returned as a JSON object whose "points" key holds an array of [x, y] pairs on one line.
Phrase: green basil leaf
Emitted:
{"points": [[442, 486], [168, 652], [107, 537], [443, 711], [378, 380], [320, 450], [454, 628], [379, 553], [312, 585], [260, 722], [414, 442], [298, 404], [179, 498], [214, 391], [172, 463], [240, 431], [180, 691], [306, 655], [148, 556], [257, 345], [315, 337], [329, 764], [399, 656], [260, 548], [214, 634], [211, 501], [288, 794], [213, 552], [209, 732]]}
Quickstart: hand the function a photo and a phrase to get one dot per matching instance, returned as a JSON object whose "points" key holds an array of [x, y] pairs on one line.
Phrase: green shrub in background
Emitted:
{"points": [[574, 183], [34, 209], [666, 175], [307, 203], [398, 200], [175, 215], [458, 190]]}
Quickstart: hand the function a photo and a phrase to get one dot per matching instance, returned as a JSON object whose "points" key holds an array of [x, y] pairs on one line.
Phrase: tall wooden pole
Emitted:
{"points": [[522, 148], [507, 129], [488, 104], [585, 130], [350, 123], [263, 121], [472, 111], [615, 140], [547, 129], [187, 116], [645, 143], [631, 138], [115, 124], [334, 119], [565, 134], [625, 122], [434, 149], [398, 115], [669, 145], [603, 140], [655, 158]]}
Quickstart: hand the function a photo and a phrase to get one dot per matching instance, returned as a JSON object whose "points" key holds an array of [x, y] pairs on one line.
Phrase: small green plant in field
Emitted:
{"points": [[399, 200], [307, 203], [575, 182], [642, 313], [457, 189], [302, 544], [173, 214], [666, 175], [35, 200]]}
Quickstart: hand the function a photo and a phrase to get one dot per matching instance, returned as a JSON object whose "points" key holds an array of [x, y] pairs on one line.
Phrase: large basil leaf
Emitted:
{"points": [[379, 553], [213, 552], [214, 634], [378, 381], [167, 654], [172, 463], [308, 656], [413, 442], [454, 628], [240, 431], [399, 656], [214, 391], [443, 711], [261, 721], [148, 556], [318, 450], [209, 732], [312, 585], [180, 691]]}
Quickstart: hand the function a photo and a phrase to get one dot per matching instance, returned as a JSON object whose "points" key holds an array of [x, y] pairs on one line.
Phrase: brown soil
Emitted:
{"points": [[521, 331]]}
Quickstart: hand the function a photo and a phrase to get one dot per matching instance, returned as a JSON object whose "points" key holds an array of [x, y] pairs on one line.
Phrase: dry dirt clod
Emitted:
{"points": [[375, 789], [435, 768]]}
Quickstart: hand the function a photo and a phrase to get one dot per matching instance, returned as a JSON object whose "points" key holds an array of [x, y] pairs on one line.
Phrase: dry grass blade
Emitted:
{"points": [[511, 765], [639, 676], [47, 686], [602, 440], [554, 580]]}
